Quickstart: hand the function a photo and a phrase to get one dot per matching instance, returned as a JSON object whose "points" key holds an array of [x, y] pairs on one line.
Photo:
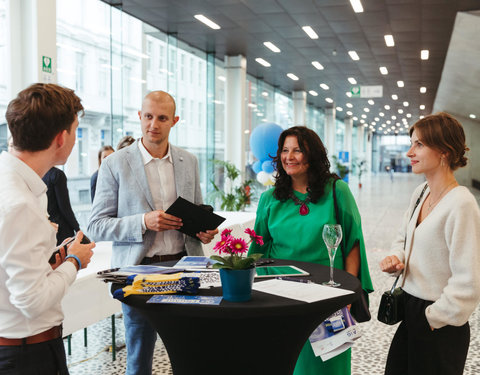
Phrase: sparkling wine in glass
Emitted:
{"points": [[332, 236]]}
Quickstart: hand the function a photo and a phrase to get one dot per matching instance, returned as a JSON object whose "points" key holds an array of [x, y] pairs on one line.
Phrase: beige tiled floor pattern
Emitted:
{"points": [[381, 203]]}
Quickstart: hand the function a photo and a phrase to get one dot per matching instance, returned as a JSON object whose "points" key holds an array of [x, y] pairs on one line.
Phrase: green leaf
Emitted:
{"points": [[217, 258]]}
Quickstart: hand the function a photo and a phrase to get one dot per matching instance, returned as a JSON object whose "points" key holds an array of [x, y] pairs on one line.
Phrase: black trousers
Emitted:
{"points": [[46, 358], [416, 349]]}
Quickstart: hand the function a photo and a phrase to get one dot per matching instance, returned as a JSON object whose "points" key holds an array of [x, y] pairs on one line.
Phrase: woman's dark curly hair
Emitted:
{"points": [[318, 164]]}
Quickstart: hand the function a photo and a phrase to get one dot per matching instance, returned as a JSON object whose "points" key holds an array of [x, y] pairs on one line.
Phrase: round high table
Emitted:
{"points": [[262, 336]]}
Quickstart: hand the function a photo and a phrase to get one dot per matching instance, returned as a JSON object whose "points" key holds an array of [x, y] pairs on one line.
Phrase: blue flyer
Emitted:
{"points": [[181, 299]]}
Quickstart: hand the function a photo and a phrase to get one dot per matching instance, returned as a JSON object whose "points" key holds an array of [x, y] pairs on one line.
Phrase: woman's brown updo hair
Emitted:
{"points": [[443, 133]]}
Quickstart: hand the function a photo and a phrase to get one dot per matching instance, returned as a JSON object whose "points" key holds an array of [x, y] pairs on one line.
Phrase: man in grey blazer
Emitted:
{"points": [[135, 185]]}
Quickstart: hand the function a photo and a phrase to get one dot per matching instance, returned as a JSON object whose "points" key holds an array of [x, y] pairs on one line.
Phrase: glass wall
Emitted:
{"points": [[316, 121], [112, 60], [339, 136], [4, 73]]}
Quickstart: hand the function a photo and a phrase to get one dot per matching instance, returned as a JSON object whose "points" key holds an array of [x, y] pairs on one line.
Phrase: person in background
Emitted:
{"points": [[125, 141], [59, 208], [438, 253], [135, 187], [291, 216], [102, 154], [43, 120]]}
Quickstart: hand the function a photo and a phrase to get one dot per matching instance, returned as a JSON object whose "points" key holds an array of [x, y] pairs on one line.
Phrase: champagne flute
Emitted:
{"points": [[332, 236]]}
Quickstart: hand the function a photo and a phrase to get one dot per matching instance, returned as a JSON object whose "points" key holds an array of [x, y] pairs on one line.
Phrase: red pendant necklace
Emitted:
{"points": [[304, 210]]}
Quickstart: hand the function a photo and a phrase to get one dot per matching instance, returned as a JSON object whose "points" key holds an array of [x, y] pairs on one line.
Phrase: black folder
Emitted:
{"points": [[194, 218]]}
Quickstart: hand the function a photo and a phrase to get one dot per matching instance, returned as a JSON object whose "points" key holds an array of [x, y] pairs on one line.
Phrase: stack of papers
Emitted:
{"points": [[120, 275], [336, 334]]}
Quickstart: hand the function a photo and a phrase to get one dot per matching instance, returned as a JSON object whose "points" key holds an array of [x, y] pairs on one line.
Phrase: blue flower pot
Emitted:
{"points": [[237, 284]]}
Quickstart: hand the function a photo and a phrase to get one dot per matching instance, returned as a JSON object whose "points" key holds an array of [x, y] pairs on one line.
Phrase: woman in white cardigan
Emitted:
{"points": [[438, 252]]}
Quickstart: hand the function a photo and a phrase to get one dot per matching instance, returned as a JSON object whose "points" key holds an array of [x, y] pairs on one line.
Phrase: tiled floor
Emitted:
{"points": [[381, 203]]}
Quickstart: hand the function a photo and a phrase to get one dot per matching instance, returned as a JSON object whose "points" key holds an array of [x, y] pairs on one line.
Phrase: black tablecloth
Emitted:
{"points": [[261, 336]]}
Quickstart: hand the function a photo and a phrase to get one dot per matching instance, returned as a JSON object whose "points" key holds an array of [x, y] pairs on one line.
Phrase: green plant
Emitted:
{"points": [[341, 168], [234, 248], [237, 197]]}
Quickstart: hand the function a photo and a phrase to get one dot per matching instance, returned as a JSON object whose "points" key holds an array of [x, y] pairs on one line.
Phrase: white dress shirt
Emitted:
{"points": [[161, 181], [30, 291]]}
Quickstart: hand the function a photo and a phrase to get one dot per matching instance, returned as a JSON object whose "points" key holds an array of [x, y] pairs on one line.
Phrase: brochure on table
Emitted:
{"points": [[334, 335]]}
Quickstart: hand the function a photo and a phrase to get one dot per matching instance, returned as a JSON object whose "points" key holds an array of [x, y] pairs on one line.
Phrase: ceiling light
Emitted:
{"points": [[400, 84], [355, 118], [349, 94], [263, 62], [352, 80], [317, 65], [472, 115], [424, 54], [422, 107], [349, 113], [272, 47], [324, 86], [292, 76], [377, 119], [421, 117], [389, 40], [349, 105], [394, 97], [366, 109], [383, 70], [409, 115], [394, 117], [313, 93], [423, 90], [339, 109], [371, 102], [207, 21], [329, 100], [388, 122], [265, 94], [309, 31], [387, 107], [400, 110], [353, 55], [381, 114], [364, 115], [405, 104], [357, 6]]}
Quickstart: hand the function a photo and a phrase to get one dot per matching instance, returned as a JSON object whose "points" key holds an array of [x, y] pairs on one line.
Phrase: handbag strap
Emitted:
{"points": [[405, 239], [335, 205]]}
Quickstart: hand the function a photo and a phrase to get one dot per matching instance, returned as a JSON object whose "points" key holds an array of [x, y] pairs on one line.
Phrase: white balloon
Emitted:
{"points": [[263, 177]]}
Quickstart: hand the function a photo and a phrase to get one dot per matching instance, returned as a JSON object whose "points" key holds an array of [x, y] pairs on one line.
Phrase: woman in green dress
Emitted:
{"points": [[290, 217]]}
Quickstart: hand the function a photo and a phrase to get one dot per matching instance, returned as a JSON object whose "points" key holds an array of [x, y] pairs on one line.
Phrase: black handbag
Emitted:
{"points": [[359, 308], [391, 309]]}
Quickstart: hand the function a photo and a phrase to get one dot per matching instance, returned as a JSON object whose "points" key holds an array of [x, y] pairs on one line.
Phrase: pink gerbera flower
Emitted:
{"points": [[221, 246], [238, 246], [254, 237], [226, 232]]}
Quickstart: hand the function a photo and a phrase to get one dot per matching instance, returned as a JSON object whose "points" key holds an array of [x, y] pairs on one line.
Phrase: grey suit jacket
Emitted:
{"points": [[123, 196]]}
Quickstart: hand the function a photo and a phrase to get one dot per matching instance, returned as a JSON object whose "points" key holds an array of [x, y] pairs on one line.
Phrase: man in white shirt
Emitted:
{"points": [[43, 122], [135, 186]]}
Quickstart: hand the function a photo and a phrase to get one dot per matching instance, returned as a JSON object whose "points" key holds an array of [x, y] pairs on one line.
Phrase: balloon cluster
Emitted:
{"points": [[263, 143]]}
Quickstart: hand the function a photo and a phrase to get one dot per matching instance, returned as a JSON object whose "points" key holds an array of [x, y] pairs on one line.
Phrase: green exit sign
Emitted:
{"points": [[46, 64], [355, 90]]}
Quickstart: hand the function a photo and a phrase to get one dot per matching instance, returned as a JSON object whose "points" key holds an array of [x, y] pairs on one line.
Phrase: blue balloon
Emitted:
{"points": [[267, 166], [264, 140], [257, 166]]}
